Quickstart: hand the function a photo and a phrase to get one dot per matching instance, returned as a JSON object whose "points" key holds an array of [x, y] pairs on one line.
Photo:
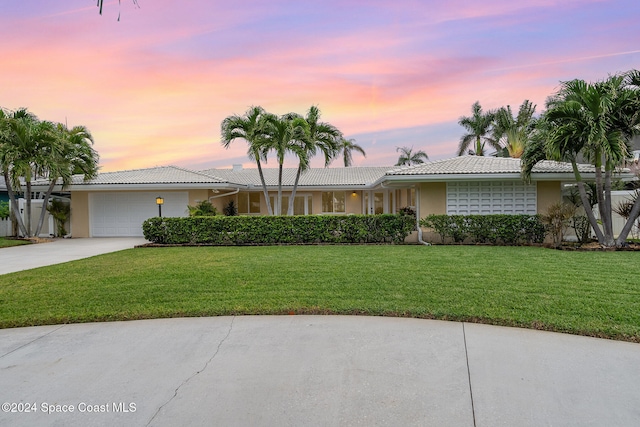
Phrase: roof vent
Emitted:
{"points": [[237, 168]]}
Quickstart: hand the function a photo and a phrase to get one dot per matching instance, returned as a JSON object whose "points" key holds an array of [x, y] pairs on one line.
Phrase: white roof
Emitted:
{"points": [[458, 168], [157, 175], [315, 177], [473, 165]]}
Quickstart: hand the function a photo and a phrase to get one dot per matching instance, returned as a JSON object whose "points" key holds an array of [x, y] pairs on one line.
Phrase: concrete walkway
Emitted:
{"points": [[314, 371], [18, 258]]}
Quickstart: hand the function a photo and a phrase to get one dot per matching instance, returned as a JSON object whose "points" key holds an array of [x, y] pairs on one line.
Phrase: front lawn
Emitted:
{"points": [[5, 242], [589, 293]]}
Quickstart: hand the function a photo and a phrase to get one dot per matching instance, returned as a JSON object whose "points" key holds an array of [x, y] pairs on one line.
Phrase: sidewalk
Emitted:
{"points": [[18, 258], [315, 371]]}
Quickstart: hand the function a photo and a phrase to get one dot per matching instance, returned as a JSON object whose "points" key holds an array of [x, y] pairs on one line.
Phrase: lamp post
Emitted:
{"points": [[159, 202]]}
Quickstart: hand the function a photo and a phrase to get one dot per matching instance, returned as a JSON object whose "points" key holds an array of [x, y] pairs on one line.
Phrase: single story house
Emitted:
{"points": [[116, 203]]}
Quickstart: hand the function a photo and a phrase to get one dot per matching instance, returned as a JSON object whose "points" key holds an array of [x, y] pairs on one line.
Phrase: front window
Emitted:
{"points": [[333, 202], [248, 203]]}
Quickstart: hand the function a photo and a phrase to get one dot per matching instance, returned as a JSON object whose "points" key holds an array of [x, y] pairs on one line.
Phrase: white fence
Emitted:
{"points": [[5, 227]]}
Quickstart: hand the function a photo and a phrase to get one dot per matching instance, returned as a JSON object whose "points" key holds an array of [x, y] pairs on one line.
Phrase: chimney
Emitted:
{"points": [[237, 168]]}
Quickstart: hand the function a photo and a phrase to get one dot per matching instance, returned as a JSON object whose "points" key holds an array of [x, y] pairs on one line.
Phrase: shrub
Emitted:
{"points": [[4, 210], [230, 209], [60, 212], [204, 208], [265, 230], [492, 229], [557, 220]]}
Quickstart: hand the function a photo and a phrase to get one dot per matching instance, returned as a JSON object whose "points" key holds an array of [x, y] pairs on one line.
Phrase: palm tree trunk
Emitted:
{"points": [[585, 202], [295, 188], [599, 196], [635, 212], [279, 207], [44, 207], [27, 198], [607, 220], [264, 187], [14, 204]]}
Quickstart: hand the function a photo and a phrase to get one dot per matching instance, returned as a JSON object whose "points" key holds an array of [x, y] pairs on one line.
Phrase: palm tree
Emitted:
{"points": [[25, 150], [281, 134], [6, 155], [316, 136], [70, 154], [251, 128], [408, 157], [514, 132], [594, 120], [478, 127], [347, 146]]}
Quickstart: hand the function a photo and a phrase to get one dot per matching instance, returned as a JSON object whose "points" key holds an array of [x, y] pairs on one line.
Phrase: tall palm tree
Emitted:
{"points": [[588, 119], [6, 155], [281, 135], [514, 132], [347, 146], [24, 152], [70, 154], [316, 136], [478, 127], [408, 157], [250, 127]]}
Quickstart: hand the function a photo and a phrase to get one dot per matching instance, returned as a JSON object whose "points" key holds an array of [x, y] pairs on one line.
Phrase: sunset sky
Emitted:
{"points": [[154, 87]]}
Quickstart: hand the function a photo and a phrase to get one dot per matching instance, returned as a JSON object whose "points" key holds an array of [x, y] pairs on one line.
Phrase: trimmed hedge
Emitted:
{"points": [[507, 230], [273, 230]]}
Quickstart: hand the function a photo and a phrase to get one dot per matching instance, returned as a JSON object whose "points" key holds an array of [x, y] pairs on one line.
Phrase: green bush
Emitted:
{"points": [[508, 230], [204, 208], [270, 230], [4, 210]]}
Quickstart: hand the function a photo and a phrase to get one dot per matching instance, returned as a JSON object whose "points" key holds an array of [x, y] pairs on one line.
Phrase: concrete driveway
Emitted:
{"points": [[313, 371], [18, 258]]}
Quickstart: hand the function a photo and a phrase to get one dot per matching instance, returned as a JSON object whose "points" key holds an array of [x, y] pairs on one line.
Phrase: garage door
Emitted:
{"points": [[483, 198], [113, 214]]}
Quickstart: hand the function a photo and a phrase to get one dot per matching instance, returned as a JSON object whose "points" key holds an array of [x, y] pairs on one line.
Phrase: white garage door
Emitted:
{"points": [[113, 214], [483, 198]]}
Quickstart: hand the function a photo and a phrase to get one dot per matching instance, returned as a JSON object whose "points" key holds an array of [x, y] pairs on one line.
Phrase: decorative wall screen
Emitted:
{"points": [[482, 198]]}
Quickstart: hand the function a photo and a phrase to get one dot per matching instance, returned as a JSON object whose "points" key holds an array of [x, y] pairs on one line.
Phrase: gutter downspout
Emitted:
{"points": [[418, 219], [236, 191]]}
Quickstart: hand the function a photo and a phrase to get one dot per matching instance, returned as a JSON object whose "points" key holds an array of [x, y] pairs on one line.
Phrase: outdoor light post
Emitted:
{"points": [[159, 202]]}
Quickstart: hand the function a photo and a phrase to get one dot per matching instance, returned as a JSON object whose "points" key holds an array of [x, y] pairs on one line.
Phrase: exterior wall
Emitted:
{"points": [[79, 214], [549, 192], [196, 196], [353, 202], [433, 198]]}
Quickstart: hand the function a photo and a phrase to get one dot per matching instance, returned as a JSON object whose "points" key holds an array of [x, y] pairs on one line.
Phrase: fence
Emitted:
{"points": [[5, 227]]}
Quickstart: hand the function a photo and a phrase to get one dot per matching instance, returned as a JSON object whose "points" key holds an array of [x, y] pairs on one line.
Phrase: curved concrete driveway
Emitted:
{"points": [[313, 371], [18, 258]]}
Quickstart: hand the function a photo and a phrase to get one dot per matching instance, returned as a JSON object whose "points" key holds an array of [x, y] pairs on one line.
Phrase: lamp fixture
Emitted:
{"points": [[159, 202]]}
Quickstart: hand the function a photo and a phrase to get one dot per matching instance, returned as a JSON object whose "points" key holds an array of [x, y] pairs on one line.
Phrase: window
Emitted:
{"points": [[302, 204], [333, 202], [248, 203]]}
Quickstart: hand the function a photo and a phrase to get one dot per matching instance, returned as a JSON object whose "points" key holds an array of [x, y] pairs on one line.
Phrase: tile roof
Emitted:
{"points": [[485, 165], [355, 176], [157, 175]]}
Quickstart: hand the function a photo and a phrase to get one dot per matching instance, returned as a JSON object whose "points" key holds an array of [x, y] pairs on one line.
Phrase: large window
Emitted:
{"points": [[333, 202], [248, 203], [302, 204]]}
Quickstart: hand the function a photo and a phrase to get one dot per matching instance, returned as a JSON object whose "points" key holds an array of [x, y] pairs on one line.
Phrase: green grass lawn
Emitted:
{"points": [[588, 293], [5, 243]]}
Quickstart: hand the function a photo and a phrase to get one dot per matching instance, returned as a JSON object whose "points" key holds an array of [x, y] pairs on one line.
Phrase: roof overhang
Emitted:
{"points": [[154, 186], [398, 179]]}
